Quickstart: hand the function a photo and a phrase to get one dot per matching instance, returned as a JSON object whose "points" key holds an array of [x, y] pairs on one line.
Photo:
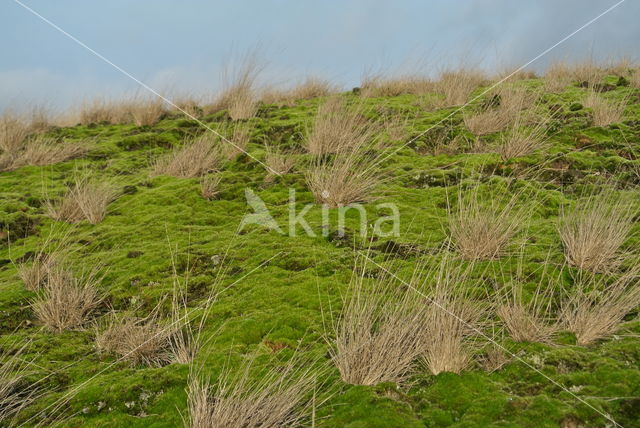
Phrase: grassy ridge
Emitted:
{"points": [[277, 307]]}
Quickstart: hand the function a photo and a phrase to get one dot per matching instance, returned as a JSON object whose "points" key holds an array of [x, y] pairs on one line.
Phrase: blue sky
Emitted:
{"points": [[182, 46]]}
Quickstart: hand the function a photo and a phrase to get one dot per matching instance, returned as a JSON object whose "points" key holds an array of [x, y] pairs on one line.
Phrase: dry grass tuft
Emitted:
{"points": [[344, 179], [379, 334], [189, 104], [605, 112], [503, 108], [66, 301], [42, 151], [210, 186], [594, 309], [521, 141], [634, 78], [457, 86], [493, 359], [239, 95], [279, 163], [379, 86], [453, 321], [595, 229], [487, 121], [338, 128], [147, 112], [87, 200], [240, 135], [557, 77], [35, 275], [527, 319], [280, 398], [40, 119], [560, 75], [197, 157], [140, 341], [13, 132], [15, 391], [481, 227], [311, 87], [396, 127], [100, 110]]}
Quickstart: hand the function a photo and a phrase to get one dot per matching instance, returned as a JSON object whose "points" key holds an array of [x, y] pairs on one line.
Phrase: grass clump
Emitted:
{"points": [[66, 301], [41, 151], [521, 141], [604, 112], [13, 132], [527, 318], [457, 86], [86, 200], [593, 231], [239, 94], [210, 186], [35, 274], [595, 308], [379, 333], [380, 86], [139, 341], [16, 392], [338, 128], [281, 397], [278, 163], [196, 158], [147, 112], [345, 179], [311, 87], [482, 226], [453, 321]]}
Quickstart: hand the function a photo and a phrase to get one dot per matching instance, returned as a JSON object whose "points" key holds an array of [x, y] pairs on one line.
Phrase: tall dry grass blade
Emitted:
{"points": [[594, 230]]}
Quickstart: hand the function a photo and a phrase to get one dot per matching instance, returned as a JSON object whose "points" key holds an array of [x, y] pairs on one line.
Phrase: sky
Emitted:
{"points": [[182, 47]]}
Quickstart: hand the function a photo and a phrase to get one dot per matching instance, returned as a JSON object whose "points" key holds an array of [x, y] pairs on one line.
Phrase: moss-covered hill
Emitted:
{"points": [[279, 292]]}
